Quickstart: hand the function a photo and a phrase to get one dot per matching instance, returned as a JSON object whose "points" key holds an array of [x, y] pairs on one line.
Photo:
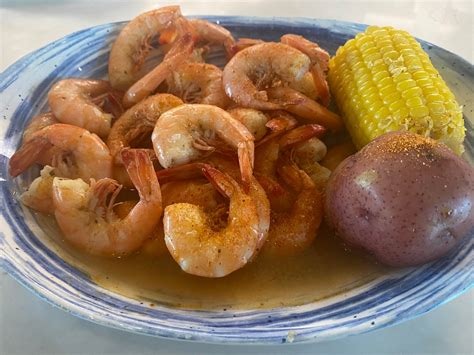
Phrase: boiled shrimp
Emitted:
{"points": [[39, 194], [253, 70], [198, 83], [294, 230], [137, 123], [77, 153], [85, 212], [188, 132], [267, 156], [37, 123], [319, 59], [180, 51], [307, 156], [264, 126], [301, 105], [201, 250], [71, 102], [132, 45], [205, 33]]}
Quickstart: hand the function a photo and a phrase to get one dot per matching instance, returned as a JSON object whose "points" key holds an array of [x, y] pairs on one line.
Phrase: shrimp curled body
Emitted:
{"points": [[253, 70], [77, 153], [137, 123], [183, 134], [133, 44], [88, 221], [202, 251], [71, 102]]}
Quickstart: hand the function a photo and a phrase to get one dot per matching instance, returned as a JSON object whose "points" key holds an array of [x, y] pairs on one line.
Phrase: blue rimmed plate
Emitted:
{"points": [[390, 299]]}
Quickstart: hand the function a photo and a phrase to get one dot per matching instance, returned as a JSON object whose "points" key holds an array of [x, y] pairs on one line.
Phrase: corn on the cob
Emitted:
{"points": [[383, 81]]}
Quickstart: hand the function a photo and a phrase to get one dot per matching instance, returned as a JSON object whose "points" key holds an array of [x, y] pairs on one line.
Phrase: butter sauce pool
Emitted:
{"points": [[326, 269]]}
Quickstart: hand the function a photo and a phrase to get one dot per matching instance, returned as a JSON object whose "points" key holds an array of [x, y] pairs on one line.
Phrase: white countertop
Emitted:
{"points": [[29, 325]]}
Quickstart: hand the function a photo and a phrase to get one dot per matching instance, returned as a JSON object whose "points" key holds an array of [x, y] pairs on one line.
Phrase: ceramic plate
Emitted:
{"points": [[393, 298]]}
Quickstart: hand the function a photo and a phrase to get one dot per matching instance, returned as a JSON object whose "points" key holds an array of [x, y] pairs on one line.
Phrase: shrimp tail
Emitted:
{"points": [[277, 126], [321, 84], [245, 152], [221, 181], [301, 134], [140, 169], [181, 172], [27, 155]]}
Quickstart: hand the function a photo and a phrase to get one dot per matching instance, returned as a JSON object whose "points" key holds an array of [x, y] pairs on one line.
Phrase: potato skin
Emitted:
{"points": [[404, 198]]}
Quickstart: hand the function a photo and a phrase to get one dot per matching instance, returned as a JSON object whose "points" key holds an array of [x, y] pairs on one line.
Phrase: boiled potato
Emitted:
{"points": [[404, 198]]}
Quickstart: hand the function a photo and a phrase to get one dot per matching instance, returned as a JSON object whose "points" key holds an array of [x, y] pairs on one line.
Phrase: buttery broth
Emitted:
{"points": [[326, 269]]}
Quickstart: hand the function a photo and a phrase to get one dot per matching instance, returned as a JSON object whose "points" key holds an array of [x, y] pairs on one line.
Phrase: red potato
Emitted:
{"points": [[404, 198]]}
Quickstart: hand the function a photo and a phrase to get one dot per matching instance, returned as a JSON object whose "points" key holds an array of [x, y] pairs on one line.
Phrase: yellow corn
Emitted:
{"points": [[383, 81]]}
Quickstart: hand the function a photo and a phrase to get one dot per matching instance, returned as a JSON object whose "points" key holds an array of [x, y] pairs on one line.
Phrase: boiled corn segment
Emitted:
{"points": [[383, 81]]}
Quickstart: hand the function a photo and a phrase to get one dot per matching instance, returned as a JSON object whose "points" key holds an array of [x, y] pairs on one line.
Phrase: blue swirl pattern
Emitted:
{"points": [[388, 300]]}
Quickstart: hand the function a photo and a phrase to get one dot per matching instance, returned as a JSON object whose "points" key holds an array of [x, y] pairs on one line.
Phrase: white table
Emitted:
{"points": [[31, 326]]}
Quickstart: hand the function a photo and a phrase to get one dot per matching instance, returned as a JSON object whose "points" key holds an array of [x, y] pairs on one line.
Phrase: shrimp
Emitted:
{"points": [[253, 70], [254, 120], [320, 62], [132, 45], [205, 33], [198, 83], [137, 123], [77, 153], [86, 217], [38, 196], [263, 126], [211, 33], [180, 51], [201, 250], [266, 161], [307, 154], [294, 230], [71, 102], [185, 133], [243, 43], [301, 105], [37, 123]]}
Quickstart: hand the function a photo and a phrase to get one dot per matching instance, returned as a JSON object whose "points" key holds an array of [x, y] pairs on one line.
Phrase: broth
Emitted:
{"points": [[326, 269]]}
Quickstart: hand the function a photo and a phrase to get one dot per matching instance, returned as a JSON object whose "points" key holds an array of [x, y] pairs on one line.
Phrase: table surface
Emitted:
{"points": [[29, 325]]}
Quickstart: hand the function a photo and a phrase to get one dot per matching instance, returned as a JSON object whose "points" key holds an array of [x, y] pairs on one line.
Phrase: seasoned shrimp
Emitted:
{"points": [[137, 123], [263, 126], [243, 43], [319, 59], [253, 70], [201, 250], [85, 212], [38, 122], [294, 230], [307, 155], [205, 34], [301, 105], [39, 194], [254, 120], [198, 83], [71, 102], [207, 200], [266, 161], [213, 34], [180, 51], [133, 44], [187, 132], [77, 153]]}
